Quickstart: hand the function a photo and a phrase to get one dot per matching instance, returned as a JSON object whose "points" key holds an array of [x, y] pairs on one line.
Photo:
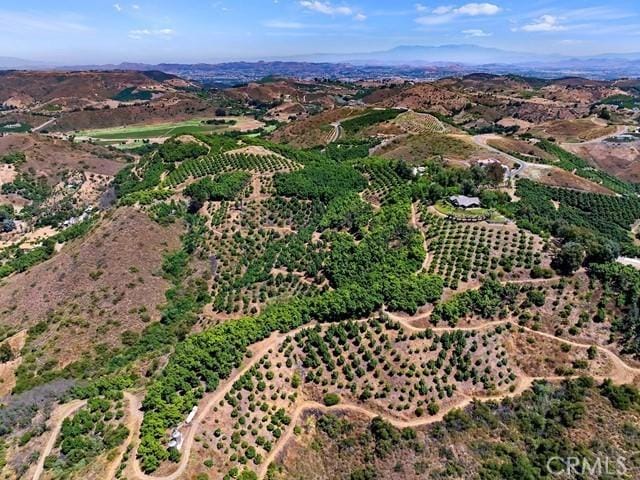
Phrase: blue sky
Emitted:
{"points": [[95, 31]]}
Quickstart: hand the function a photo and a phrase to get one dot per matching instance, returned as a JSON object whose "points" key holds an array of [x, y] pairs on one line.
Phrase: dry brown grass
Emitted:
{"points": [[313, 130], [418, 148], [50, 157], [509, 145], [619, 159], [556, 177], [94, 289], [578, 130]]}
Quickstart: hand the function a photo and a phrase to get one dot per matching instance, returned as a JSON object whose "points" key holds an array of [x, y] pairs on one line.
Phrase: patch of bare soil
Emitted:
{"points": [[93, 290], [557, 177], [522, 147], [578, 130], [540, 356], [8, 369], [619, 159]]}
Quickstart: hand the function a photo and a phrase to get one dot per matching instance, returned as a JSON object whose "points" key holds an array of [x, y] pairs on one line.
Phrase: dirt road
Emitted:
{"points": [[621, 373], [483, 141], [55, 423], [134, 420], [208, 401]]}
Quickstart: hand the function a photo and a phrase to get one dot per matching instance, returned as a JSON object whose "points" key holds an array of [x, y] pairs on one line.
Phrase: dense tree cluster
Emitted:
{"points": [[175, 151], [485, 302], [355, 125], [323, 181], [13, 158], [600, 224], [225, 186]]}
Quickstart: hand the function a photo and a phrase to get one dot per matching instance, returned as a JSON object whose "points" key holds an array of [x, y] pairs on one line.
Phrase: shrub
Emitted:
{"points": [[331, 399]]}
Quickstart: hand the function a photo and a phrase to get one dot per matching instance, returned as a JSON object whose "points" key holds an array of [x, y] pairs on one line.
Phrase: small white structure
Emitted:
{"points": [[176, 440], [191, 415], [418, 171], [462, 201]]}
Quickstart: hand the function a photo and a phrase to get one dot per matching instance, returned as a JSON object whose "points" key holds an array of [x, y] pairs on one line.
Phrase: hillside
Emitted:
{"points": [[337, 280], [25, 88]]}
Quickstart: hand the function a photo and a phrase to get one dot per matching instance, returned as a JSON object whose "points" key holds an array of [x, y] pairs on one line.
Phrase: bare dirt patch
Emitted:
{"points": [[557, 177], [8, 369], [619, 159], [578, 130]]}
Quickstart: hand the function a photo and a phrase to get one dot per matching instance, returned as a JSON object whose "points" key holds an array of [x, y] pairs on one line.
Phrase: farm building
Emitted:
{"points": [[462, 201]]}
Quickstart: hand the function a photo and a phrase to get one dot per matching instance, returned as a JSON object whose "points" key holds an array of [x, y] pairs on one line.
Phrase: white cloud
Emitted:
{"points": [[421, 8], [135, 6], [284, 25], [117, 7], [326, 7], [474, 32], [546, 23], [475, 9], [443, 10], [447, 13], [147, 33], [361, 17]]}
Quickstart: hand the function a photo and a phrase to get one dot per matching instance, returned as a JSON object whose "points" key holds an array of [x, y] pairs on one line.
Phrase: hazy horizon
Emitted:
{"points": [[227, 30]]}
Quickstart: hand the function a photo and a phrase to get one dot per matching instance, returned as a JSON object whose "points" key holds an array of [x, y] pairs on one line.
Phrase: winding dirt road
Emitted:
{"points": [[621, 373], [134, 420], [208, 401], [483, 141], [58, 416]]}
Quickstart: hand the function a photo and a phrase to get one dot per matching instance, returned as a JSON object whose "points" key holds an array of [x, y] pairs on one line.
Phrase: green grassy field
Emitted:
{"points": [[157, 130]]}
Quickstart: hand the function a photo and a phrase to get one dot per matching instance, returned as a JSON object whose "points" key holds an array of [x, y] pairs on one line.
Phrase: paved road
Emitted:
{"points": [[337, 132], [482, 141]]}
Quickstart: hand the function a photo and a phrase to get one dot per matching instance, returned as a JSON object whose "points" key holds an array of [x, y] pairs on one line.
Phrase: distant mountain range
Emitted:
{"points": [[430, 55], [13, 63], [409, 61]]}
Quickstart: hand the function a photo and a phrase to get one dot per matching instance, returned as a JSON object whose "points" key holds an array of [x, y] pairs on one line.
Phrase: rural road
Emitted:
{"points": [[483, 141], [134, 420], [207, 402], [44, 125], [622, 373], [337, 132], [58, 416]]}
